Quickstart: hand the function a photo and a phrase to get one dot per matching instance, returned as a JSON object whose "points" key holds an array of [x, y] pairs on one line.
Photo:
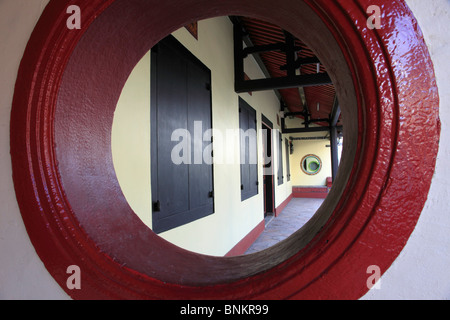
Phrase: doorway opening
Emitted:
{"points": [[269, 178]]}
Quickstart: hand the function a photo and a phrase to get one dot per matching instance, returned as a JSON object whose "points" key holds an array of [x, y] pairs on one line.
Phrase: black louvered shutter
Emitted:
{"points": [[181, 102], [280, 177], [248, 150]]}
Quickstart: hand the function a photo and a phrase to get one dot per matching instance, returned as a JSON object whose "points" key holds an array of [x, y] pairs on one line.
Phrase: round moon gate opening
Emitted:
{"points": [[75, 214]]}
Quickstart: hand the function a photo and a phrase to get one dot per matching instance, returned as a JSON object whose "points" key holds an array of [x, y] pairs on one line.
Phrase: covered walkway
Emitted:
{"points": [[292, 218]]}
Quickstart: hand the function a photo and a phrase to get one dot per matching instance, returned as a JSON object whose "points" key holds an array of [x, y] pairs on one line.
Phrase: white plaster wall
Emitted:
{"points": [[420, 272]]}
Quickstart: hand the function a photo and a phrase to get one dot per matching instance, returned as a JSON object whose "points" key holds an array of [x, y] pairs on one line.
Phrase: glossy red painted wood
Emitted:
{"points": [[75, 214]]}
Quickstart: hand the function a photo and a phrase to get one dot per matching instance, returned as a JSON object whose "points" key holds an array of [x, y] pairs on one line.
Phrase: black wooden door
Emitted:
{"points": [[269, 191], [182, 175]]}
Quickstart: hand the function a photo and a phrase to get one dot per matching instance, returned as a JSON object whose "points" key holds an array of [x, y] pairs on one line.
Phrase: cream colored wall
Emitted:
{"points": [[306, 147], [218, 233], [130, 140], [283, 191]]}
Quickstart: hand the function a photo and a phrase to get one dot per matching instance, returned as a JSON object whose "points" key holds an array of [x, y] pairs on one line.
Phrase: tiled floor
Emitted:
{"points": [[292, 218]]}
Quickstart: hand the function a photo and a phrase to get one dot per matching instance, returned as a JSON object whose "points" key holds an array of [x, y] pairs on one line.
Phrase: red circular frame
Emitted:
{"points": [[54, 176]]}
